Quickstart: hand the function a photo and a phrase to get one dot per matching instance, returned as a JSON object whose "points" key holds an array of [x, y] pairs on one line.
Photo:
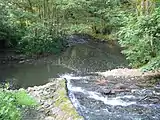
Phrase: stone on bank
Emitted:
{"points": [[54, 103]]}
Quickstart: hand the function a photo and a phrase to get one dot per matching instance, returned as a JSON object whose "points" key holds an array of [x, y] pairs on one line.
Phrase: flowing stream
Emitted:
{"points": [[77, 65], [138, 104]]}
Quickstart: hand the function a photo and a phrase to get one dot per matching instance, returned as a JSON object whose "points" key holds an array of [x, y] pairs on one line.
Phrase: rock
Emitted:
{"points": [[54, 102], [55, 110], [114, 91], [132, 73], [78, 39], [28, 60], [102, 82], [121, 86], [109, 92], [118, 88], [133, 86], [20, 62], [49, 118]]}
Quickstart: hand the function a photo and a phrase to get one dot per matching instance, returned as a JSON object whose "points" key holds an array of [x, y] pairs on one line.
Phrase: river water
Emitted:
{"points": [[137, 104], [84, 58], [78, 65]]}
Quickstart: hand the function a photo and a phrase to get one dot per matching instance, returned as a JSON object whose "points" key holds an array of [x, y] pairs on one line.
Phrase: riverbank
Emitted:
{"points": [[126, 72], [54, 102], [10, 55], [118, 95], [125, 79]]}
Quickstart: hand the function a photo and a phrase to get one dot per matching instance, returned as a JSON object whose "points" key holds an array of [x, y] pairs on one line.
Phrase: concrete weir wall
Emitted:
{"points": [[54, 103]]}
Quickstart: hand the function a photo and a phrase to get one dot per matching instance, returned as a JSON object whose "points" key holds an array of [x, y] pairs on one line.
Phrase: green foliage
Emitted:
{"points": [[37, 26], [153, 65], [4, 29], [11, 102], [28, 29], [38, 40], [8, 30], [8, 109], [140, 38], [105, 17], [24, 99]]}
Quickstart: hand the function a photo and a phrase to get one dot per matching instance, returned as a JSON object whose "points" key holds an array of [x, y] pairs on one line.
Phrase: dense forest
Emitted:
{"points": [[40, 26]]}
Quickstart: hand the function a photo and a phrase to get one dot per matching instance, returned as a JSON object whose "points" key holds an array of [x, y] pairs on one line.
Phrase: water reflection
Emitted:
{"points": [[88, 57]]}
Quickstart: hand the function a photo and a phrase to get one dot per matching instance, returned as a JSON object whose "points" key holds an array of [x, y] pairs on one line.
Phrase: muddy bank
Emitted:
{"points": [[54, 102]]}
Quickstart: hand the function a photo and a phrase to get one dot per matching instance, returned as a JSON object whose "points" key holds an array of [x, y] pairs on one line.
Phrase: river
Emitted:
{"points": [[89, 57], [77, 65]]}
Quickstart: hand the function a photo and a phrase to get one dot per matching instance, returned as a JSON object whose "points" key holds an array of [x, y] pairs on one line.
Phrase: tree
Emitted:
{"points": [[145, 7], [140, 38]]}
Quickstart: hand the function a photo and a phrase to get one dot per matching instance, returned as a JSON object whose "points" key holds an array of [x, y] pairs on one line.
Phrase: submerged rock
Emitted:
{"points": [[78, 39], [102, 82], [118, 88], [54, 103]]}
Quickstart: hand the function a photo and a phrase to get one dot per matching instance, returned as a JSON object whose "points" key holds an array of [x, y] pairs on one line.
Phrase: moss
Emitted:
{"points": [[65, 104]]}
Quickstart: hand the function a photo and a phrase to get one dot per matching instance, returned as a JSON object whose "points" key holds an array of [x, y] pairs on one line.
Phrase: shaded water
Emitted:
{"points": [[80, 58]]}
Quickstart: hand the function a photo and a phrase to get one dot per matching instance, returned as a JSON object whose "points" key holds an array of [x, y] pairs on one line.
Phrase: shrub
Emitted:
{"points": [[141, 40], [11, 102], [38, 39]]}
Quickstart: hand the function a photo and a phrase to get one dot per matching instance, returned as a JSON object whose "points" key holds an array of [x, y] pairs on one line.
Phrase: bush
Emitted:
{"points": [[38, 40], [25, 31], [141, 40], [11, 102]]}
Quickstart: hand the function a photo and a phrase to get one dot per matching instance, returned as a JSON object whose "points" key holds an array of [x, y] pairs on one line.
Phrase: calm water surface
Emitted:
{"points": [[84, 58]]}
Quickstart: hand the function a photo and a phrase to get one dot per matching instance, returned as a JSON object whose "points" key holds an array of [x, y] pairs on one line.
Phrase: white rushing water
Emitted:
{"points": [[94, 95], [90, 103], [71, 76], [74, 101]]}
